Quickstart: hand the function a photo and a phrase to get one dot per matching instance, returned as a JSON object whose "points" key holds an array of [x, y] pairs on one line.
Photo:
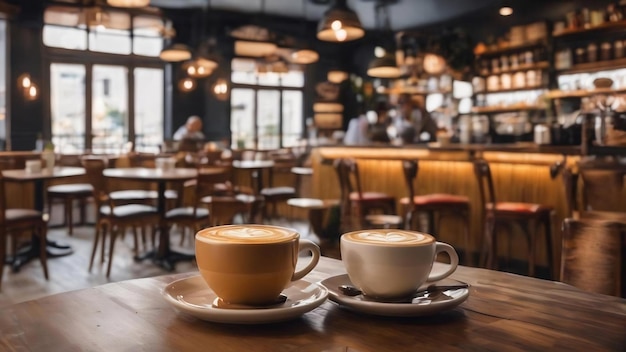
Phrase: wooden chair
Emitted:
{"points": [[275, 193], [593, 256], [602, 185], [437, 205], [357, 204], [529, 216], [68, 193], [14, 222], [112, 218], [223, 199]]}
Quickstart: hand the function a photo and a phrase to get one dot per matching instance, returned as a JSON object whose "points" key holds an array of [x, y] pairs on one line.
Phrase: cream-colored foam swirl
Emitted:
{"points": [[246, 234], [390, 237]]}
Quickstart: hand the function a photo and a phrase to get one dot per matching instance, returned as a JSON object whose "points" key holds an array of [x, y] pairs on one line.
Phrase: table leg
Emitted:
{"points": [[164, 256]]}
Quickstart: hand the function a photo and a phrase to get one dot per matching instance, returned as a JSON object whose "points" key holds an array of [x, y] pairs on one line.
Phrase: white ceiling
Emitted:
{"points": [[404, 14]]}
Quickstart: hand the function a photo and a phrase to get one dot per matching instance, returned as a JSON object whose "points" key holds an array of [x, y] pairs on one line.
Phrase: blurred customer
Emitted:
{"points": [[191, 130], [378, 131], [357, 133], [413, 123]]}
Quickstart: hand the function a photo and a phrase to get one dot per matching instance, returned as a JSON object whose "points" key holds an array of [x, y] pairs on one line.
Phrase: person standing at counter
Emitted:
{"points": [[378, 131], [413, 123], [357, 133]]}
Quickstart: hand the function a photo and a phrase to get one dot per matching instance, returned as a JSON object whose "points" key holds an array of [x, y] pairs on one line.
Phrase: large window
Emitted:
{"points": [[97, 57], [266, 106]]}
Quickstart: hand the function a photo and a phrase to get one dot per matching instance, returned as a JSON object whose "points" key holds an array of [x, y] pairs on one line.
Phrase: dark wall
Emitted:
{"points": [[26, 119]]}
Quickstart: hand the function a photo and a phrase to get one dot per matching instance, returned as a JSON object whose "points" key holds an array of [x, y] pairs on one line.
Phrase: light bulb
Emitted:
{"points": [[506, 11], [336, 25], [379, 52], [26, 82], [32, 91], [341, 35]]}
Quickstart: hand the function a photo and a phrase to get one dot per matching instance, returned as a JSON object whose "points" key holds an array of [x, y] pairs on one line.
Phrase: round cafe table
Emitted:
{"points": [[163, 256], [38, 179], [255, 166]]}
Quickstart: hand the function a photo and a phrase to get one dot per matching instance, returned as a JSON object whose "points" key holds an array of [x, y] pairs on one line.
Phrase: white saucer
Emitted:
{"points": [[193, 296], [428, 304]]}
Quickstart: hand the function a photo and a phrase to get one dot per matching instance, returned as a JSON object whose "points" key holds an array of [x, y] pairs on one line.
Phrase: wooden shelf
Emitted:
{"points": [[512, 48], [510, 90], [498, 109], [595, 66], [608, 26], [581, 93], [536, 66], [412, 90]]}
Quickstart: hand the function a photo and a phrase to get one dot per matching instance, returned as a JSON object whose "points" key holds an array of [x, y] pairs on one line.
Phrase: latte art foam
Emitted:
{"points": [[389, 237], [246, 234]]}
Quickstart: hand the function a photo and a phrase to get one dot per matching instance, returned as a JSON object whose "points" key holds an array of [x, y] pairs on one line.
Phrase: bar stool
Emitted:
{"points": [[436, 205], [357, 204], [523, 214]]}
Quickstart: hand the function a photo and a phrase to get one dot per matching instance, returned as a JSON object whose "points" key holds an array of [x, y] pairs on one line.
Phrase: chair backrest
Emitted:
{"points": [[592, 257], [485, 182], [208, 177], [282, 166], [603, 185], [94, 165], [410, 169], [349, 177]]}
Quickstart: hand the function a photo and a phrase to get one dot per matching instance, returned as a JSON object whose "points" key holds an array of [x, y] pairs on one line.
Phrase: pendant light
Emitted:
{"points": [[203, 62], [337, 76], [384, 64], [128, 3], [175, 52], [340, 24], [303, 55]]}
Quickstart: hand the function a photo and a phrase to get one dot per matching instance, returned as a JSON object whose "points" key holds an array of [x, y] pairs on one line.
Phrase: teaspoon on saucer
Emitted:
{"points": [[352, 291], [219, 303]]}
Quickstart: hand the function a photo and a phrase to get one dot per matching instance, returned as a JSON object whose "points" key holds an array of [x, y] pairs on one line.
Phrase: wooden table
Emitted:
{"points": [[38, 179], [163, 256], [256, 167], [503, 312]]}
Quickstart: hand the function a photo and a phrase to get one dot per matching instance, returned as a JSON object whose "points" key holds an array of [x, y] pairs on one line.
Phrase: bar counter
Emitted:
{"points": [[521, 173]]}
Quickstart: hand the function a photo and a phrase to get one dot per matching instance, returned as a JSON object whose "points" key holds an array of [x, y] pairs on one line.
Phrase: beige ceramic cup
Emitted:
{"points": [[251, 264], [390, 263]]}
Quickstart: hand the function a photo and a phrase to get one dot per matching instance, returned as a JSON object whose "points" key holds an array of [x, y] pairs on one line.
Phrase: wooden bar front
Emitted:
{"points": [[521, 174]]}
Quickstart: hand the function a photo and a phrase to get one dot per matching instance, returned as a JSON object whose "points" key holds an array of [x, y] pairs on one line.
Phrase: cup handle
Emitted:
{"points": [[315, 251], [454, 261]]}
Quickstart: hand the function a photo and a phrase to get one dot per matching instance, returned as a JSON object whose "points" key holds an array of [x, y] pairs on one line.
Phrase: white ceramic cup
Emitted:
{"points": [[165, 164], [390, 263], [33, 166]]}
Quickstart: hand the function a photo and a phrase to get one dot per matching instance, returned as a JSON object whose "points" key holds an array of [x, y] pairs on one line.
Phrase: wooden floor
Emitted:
{"points": [[70, 272]]}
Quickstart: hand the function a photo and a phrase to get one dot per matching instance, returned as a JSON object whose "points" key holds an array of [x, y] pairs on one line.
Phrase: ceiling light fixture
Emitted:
{"points": [[506, 11], [175, 53], [340, 24], [128, 3], [384, 64], [304, 55], [384, 67], [187, 84]]}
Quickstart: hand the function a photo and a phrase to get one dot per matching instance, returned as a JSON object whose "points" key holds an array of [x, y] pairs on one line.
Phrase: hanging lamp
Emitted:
{"points": [[304, 55], [340, 24], [128, 3], [175, 52], [384, 64]]}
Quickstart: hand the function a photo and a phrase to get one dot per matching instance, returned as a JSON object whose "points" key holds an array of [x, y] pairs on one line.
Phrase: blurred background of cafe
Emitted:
{"points": [[531, 87], [89, 76]]}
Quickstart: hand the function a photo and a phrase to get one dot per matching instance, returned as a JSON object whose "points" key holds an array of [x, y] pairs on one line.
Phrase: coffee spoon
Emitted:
{"points": [[352, 291]]}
